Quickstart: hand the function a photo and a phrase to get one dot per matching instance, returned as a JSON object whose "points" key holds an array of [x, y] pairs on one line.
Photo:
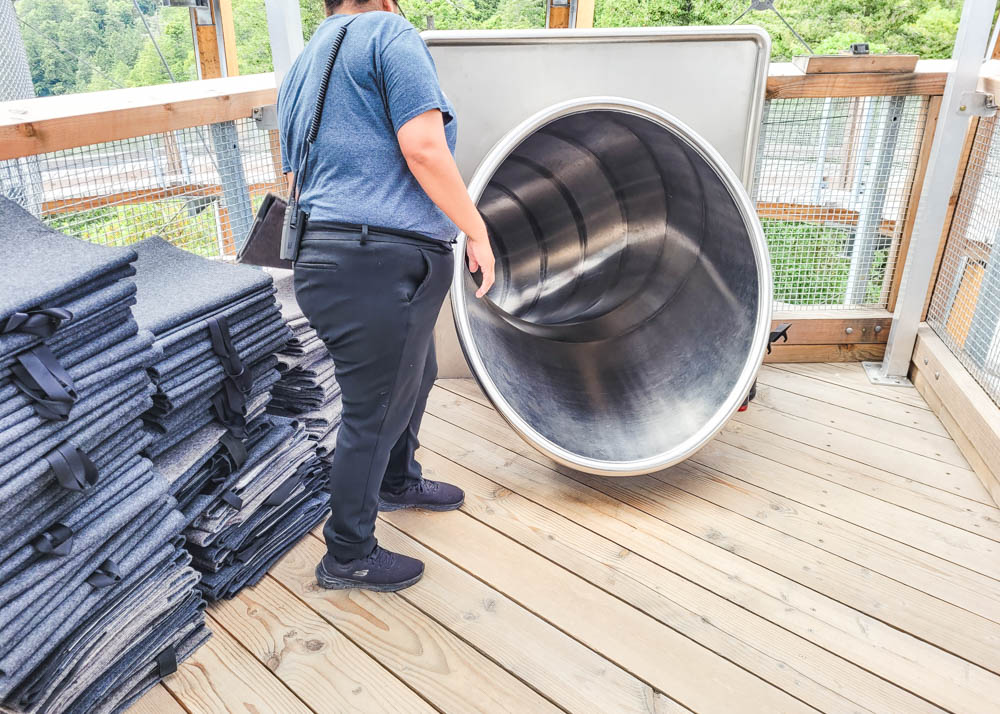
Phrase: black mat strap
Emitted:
{"points": [[57, 540], [222, 345], [166, 662], [41, 323], [236, 449], [41, 377], [281, 494], [236, 422], [231, 499], [107, 573], [74, 470]]}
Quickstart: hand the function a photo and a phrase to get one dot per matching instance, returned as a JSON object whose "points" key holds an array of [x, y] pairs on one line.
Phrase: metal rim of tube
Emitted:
{"points": [[485, 172]]}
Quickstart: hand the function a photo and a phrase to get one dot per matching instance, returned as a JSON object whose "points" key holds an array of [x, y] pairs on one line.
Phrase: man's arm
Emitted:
{"points": [[422, 141]]}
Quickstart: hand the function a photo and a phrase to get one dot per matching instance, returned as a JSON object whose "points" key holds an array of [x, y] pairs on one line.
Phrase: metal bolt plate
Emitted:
{"points": [[874, 372], [976, 103]]}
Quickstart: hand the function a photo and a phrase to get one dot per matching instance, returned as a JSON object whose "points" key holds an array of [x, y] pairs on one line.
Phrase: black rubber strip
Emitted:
{"points": [[74, 470], [40, 323], [57, 540]]}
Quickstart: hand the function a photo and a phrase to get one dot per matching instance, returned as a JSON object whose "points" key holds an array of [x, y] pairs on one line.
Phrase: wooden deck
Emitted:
{"points": [[829, 550]]}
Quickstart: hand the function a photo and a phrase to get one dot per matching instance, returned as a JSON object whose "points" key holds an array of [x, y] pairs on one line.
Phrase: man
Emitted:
{"points": [[385, 202]]}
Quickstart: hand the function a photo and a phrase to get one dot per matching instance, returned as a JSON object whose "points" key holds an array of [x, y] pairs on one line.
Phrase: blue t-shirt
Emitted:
{"points": [[384, 76]]}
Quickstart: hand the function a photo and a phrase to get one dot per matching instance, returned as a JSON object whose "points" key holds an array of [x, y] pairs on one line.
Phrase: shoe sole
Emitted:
{"points": [[329, 582], [385, 506]]}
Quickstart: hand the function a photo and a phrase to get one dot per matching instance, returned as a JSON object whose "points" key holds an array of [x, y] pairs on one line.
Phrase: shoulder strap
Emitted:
{"points": [[298, 179]]}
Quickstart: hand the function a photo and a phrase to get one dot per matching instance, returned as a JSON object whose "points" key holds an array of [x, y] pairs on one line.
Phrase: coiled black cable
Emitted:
{"points": [[321, 97]]}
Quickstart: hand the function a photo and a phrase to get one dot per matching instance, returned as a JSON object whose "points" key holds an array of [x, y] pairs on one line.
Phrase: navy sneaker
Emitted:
{"points": [[381, 570], [426, 494]]}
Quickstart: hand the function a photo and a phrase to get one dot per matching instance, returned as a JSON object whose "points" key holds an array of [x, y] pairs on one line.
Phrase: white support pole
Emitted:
{"points": [[949, 137], [284, 26]]}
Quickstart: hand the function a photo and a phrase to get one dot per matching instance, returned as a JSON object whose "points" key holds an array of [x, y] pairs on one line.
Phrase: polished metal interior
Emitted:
{"points": [[632, 300]]}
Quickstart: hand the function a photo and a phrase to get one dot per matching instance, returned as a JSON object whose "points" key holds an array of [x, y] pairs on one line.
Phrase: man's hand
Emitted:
{"points": [[481, 258]]}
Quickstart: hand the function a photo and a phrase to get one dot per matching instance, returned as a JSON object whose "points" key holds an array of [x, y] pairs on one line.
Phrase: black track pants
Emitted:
{"points": [[374, 304]]}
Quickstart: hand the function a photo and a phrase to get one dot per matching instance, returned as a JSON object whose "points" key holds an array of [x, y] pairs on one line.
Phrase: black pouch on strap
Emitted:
{"points": [[40, 376], [107, 573], [73, 468], [166, 662], [40, 323], [57, 540]]}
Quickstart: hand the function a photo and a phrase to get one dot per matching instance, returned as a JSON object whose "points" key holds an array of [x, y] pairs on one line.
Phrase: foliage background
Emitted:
{"points": [[88, 45]]}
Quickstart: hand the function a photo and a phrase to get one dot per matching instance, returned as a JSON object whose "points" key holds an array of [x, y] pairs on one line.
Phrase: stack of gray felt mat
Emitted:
{"points": [[97, 599], [249, 484], [308, 389]]}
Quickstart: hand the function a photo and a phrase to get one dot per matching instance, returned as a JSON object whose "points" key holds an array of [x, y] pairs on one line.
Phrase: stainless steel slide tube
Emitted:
{"points": [[633, 294]]}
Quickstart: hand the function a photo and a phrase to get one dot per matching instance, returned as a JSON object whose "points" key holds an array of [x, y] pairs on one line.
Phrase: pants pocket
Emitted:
{"points": [[421, 285]]}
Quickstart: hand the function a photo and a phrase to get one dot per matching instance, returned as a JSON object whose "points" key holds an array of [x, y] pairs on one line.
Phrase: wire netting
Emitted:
{"points": [[15, 79], [965, 307], [832, 184], [197, 187]]}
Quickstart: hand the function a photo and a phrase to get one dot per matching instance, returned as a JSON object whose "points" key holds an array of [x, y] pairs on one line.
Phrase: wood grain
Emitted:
{"points": [[827, 64], [221, 676], [572, 675], [39, 125], [316, 661], [445, 670], [693, 675]]}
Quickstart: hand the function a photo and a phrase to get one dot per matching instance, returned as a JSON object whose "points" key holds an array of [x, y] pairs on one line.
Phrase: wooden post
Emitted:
{"points": [[585, 13], [215, 40], [558, 14]]}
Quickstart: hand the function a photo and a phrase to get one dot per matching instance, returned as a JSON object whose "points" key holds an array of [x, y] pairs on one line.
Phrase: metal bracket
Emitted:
{"points": [[875, 376], [977, 104], [266, 116]]}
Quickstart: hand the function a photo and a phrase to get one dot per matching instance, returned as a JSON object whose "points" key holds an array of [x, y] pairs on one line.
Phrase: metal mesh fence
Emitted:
{"points": [[15, 79], [198, 187], [965, 308], [832, 185]]}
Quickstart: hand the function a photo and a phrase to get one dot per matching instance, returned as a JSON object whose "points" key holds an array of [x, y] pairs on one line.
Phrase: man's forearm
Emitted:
{"points": [[437, 174]]}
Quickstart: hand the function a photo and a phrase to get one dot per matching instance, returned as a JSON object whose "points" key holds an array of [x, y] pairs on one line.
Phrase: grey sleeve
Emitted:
{"points": [[410, 80]]}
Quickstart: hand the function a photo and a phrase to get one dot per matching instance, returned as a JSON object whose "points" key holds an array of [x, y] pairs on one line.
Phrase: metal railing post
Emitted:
{"points": [[284, 27], [968, 55]]}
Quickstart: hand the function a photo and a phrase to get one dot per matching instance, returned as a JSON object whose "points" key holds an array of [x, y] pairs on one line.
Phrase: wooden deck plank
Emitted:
{"points": [[933, 502], [311, 657], [890, 539], [801, 668], [223, 677], [851, 375], [911, 610], [572, 675], [667, 661], [858, 402], [445, 670], [865, 450], [156, 701], [932, 446]]}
